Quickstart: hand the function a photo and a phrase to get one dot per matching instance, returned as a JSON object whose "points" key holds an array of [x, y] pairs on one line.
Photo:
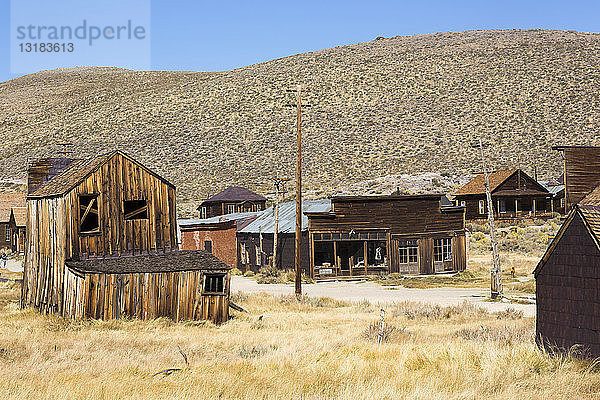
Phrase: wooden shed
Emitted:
{"points": [[8, 201], [234, 199], [515, 195], [409, 234], [102, 243], [568, 282]]}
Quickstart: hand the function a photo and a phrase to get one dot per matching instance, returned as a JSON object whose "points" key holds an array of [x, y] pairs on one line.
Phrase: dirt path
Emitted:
{"points": [[357, 291]]}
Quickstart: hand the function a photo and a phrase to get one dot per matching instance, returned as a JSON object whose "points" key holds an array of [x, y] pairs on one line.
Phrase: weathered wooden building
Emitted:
{"points": [[568, 282], [217, 235], [581, 171], [232, 200], [255, 241], [7, 202], [17, 224], [515, 195], [410, 234], [102, 243]]}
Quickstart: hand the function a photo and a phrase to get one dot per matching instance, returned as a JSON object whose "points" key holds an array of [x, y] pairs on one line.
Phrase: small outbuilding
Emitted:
{"points": [[102, 243], [8, 201]]}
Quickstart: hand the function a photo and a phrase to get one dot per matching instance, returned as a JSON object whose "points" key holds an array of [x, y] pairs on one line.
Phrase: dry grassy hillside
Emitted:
{"points": [[398, 105]]}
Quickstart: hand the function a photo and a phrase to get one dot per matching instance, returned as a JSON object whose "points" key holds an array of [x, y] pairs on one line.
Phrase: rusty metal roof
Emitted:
{"points": [[477, 184]]}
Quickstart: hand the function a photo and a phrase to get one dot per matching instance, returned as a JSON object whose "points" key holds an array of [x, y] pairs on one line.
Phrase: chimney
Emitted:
{"points": [[43, 170]]}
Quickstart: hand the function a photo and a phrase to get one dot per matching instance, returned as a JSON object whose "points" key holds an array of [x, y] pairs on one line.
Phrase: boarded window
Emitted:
{"points": [[442, 249], [214, 283], [208, 246], [135, 209], [88, 214], [408, 251]]}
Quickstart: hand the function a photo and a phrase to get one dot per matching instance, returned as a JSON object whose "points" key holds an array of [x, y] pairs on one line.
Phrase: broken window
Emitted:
{"points": [[442, 249], [135, 209], [214, 283], [408, 251], [88, 214]]}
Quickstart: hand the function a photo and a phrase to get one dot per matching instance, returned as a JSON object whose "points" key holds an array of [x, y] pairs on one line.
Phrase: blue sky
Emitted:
{"points": [[211, 36]]}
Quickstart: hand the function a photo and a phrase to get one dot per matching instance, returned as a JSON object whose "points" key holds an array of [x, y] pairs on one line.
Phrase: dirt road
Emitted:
{"points": [[357, 291]]}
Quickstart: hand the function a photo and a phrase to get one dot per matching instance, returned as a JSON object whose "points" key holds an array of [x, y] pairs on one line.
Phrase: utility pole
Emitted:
{"points": [[279, 184], [297, 91], [496, 273]]}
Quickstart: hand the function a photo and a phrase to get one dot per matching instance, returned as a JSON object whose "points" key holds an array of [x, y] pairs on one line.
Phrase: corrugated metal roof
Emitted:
{"points": [[217, 219], [552, 187], [287, 217]]}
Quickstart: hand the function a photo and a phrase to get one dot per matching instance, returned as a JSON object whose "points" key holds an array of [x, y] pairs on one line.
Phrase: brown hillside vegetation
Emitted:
{"points": [[398, 105]]}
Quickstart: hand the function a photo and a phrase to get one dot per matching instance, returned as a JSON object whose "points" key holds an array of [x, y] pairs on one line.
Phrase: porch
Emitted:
{"points": [[350, 254], [511, 206]]}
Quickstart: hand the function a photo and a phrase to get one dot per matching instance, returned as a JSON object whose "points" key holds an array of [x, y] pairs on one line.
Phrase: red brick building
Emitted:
{"points": [[216, 235]]}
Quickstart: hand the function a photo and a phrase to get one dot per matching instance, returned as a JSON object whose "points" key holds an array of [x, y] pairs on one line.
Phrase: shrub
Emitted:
{"points": [[249, 273], [390, 332], [236, 271]]}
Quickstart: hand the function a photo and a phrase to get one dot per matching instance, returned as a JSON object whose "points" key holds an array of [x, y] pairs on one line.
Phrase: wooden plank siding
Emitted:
{"points": [[581, 171], [53, 237], [177, 295], [419, 218]]}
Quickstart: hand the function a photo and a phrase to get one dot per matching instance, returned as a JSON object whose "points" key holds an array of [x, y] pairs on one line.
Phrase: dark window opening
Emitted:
{"points": [[88, 214], [208, 246], [214, 284], [135, 209]]}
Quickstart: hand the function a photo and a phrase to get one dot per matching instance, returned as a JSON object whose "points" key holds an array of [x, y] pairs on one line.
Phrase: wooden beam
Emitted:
{"points": [[87, 210]]}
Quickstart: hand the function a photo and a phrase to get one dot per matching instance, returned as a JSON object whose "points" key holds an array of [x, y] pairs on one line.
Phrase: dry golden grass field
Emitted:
{"points": [[312, 349]]}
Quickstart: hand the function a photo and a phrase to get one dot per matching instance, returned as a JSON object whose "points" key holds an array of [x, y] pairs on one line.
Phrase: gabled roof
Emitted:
{"points": [[20, 215], [78, 171], [497, 178], [234, 194], [8, 201], [589, 211], [265, 222], [477, 184]]}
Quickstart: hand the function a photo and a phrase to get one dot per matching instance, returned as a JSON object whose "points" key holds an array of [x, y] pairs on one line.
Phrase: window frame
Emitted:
{"points": [[7, 234], [212, 275], [211, 246], [481, 206], [96, 198], [408, 251], [442, 249], [203, 212]]}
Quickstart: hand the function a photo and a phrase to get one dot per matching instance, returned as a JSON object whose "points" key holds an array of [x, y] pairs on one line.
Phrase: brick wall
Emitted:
{"points": [[224, 245]]}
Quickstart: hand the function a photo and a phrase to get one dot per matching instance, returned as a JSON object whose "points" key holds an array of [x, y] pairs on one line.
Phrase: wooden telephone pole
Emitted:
{"points": [[297, 91], [279, 184], [496, 273]]}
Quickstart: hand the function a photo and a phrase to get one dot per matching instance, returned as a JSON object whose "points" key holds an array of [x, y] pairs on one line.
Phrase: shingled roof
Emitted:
{"points": [[477, 184], [8, 201], [20, 215], [77, 172], [235, 194], [146, 263]]}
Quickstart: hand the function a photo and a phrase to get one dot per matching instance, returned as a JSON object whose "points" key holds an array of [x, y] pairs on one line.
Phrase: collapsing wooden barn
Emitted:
{"points": [[412, 234], [102, 243]]}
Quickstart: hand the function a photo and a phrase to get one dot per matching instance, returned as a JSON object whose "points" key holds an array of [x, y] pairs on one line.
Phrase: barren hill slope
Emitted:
{"points": [[398, 105]]}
